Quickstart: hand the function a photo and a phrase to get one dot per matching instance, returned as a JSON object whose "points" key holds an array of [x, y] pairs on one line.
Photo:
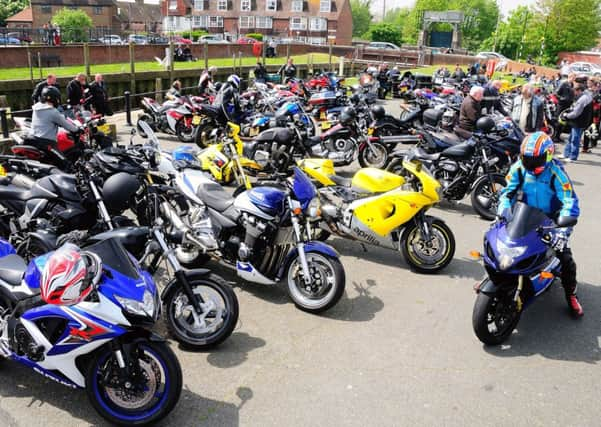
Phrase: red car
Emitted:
{"points": [[246, 40], [181, 40]]}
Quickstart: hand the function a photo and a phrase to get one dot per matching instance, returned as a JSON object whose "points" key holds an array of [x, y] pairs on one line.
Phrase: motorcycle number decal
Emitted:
{"points": [[87, 331]]}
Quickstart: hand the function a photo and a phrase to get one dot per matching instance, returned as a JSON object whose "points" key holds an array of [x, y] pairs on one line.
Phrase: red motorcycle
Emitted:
{"points": [[176, 117]]}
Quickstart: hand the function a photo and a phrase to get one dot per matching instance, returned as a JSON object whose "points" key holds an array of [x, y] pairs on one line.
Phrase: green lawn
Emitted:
{"points": [[23, 73]]}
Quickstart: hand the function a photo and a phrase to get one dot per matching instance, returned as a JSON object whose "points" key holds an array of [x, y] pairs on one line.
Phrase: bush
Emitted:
{"points": [[384, 32], [256, 36], [193, 35], [74, 24]]}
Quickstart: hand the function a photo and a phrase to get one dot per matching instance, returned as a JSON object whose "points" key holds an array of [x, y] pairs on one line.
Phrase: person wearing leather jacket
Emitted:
{"points": [[540, 181], [470, 112], [492, 98], [579, 116], [527, 110]]}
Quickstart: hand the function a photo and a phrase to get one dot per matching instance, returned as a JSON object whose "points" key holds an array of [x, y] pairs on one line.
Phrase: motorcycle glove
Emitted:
{"points": [[559, 239]]}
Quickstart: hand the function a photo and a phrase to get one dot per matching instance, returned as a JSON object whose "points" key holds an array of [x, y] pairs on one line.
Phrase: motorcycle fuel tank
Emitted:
{"points": [[376, 180], [264, 202]]}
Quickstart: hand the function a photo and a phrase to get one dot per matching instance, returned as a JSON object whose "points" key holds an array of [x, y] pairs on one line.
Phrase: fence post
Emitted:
{"points": [[171, 59], [40, 64], [330, 55], [4, 122], [30, 64], [127, 95], [158, 88], [205, 52], [287, 52], [86, 58], [132, 67]]}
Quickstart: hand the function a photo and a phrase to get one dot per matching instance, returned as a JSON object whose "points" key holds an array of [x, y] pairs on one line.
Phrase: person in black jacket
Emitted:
{"points": [[492, 98], [260, 73], [288, 70], [100, 97], [565, 97], [75, 89], [37, 92]]}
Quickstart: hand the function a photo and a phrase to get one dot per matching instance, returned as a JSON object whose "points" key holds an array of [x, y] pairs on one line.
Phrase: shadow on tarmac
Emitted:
{"points": [[547, 329], [20, 382], [234, 351], [361, 308]]}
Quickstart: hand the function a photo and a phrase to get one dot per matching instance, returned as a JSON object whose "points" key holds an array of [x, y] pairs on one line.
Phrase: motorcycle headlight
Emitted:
{"points": [[314, 208], [508, 255], [145, 307]]}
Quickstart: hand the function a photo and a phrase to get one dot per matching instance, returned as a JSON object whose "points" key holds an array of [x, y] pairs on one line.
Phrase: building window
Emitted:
{"points": [[222, 4], [72, 7], [245, 5], [298, 24], [297, 5], [318, 24], [216, 21], [316, 40], [172, 4], [247, 22], [199, 21], [264, 22], [98, 10], [272, 5], [46, 10], [199, 4], [325, 6], [171, 22]]}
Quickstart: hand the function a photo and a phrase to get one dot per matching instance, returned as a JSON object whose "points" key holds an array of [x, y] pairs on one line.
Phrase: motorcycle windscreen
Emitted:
{"points": [[113, 255], [303, 188], [524, 219]]}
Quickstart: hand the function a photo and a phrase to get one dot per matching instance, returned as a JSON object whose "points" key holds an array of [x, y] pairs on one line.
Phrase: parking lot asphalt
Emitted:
{"points": [[398, 349]]}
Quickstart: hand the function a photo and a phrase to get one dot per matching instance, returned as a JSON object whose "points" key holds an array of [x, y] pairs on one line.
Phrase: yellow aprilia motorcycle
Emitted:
{"points": [[225, 160], [382, 209]]}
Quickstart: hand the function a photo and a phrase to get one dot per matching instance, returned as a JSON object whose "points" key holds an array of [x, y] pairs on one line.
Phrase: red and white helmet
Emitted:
{"points": [[69, 275]]}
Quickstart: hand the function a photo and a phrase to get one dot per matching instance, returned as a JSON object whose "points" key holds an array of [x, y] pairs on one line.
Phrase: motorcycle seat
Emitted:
{"points": [[421, 154], [281, 135], [210, 110], [450, 138], [311, 141], [214, 196], [459, 151], [12, 268]]}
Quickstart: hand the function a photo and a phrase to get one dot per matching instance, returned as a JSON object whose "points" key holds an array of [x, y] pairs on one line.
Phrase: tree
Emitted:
{"points": [[383, 32], [10, 7], [361, 16], [74, 24]]}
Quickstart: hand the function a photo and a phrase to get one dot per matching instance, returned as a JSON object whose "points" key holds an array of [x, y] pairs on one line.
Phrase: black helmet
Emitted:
{"points": [[52, 94], [348, 115], [355, 99], [485, 124], [378, 112], [118, 190]]}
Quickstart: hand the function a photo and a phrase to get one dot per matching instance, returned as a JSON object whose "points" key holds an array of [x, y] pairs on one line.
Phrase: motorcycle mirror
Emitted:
{"points": [[566, 221]]}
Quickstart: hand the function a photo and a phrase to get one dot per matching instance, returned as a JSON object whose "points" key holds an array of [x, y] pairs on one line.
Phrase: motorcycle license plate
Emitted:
{"points": [[326, 125], [196, 120], [105, 129], [322, 115], [2, 171], [254, 131], [370, 131]]}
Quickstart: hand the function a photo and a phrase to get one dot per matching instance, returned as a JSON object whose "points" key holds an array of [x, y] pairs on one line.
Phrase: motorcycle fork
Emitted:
{"points": [[518, 291], [424, 227], [300, 246]]}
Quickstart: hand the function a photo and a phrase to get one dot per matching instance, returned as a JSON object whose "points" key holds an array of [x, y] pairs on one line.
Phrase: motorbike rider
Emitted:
{"points": [[205, 83], [260, 72], [565, 97], [458, 74], [288, 70], [228, 96], [46, 119], [470, 112], [492, 98], [37, 92], [541, 182]]}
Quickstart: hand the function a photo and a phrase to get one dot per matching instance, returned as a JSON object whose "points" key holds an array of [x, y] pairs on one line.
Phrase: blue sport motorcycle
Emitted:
{"points": [[520, 264], [103, 344]]}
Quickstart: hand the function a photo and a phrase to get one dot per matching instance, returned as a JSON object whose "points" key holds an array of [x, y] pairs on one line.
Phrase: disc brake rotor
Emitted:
{"points": [[137, 396]]}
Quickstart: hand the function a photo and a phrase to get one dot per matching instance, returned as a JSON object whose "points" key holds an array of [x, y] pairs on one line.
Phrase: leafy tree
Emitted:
{"points": [[10, 7], [361, 16], [74, 24], [383, 32]]}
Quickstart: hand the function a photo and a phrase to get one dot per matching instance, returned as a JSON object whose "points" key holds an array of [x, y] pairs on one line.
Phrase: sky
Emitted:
{"points": [[506, 5]]}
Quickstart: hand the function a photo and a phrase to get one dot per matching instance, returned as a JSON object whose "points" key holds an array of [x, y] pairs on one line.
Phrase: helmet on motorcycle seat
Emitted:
{"points": [[52, 94], [347, 115], [378, 112], [69, 275], [234, 80], [218, 86], [118, 190], [212, 69], [485, 124], [536, 151]]}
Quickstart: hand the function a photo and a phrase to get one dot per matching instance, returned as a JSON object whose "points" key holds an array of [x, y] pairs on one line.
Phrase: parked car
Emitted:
{"points": [[212, 39], [24, 38], [157, 39], [137, 39], [586, 68], [383, 46], [111, 40], [502, 60], [4, 40], [246, 40], [180, 40]]}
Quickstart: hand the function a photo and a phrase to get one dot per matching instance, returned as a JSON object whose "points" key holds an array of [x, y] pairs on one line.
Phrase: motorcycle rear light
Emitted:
{"points": [[219, 162]]}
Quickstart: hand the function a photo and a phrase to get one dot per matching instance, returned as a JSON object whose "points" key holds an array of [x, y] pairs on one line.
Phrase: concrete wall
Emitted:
{"points": [[592, 57]]}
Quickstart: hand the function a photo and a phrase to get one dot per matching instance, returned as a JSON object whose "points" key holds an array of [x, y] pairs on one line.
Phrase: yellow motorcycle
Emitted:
{"points": [[383, 209], [225, 160]]}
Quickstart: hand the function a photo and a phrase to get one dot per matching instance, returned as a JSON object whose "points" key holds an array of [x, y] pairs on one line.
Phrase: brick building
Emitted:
{"points": [[311, 21], [102, 12]]}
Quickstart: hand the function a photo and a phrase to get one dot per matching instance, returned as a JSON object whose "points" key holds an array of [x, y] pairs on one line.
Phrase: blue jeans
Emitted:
{"points": [[573, 144]]}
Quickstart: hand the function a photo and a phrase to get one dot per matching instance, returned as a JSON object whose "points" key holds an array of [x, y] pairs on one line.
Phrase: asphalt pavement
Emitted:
{"points": [[398, 349]]}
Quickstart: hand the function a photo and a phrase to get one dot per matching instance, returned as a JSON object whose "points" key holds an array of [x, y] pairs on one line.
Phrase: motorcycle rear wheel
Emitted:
{"points": [[428, 257], [491, 311], [185, 133]]}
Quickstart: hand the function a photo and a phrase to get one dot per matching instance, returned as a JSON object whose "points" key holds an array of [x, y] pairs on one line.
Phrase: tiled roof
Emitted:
{"points": [[25, 15]]}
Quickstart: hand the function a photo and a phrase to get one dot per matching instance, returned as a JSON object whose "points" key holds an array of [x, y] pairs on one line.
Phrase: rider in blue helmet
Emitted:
{"points": [[541, 181]]}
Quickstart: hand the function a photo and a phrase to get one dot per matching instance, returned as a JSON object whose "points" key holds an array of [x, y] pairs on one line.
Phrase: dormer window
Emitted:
{"points": [[325, 6]]}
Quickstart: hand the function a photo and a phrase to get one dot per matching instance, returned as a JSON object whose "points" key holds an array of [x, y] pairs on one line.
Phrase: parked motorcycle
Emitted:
{"points": [[377, 207], [520, 266], [173, 117]]}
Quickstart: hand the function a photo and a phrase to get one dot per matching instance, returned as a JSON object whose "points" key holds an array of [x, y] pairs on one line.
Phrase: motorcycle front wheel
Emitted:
{"points": [[494, 317], [428, 256], [485, 196], [374, 155], [325, 287], [147, 396], [185, 133], [214, 325]]}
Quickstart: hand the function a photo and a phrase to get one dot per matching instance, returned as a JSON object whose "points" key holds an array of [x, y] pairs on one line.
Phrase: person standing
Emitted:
{"points": [[458, 74], [288, 70], [75, 90], [492, 98], [206, 80], [100, 99], [527, 110], [470, 112], [579, 117], [37, 91], [260, 73], [565, 97]]}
